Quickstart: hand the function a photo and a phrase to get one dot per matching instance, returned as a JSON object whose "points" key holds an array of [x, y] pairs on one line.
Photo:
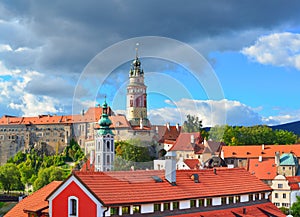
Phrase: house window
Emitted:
{"points": [[209, 202], [237, 199], [114, 211], [286, 204], [201, 202], [256, 196], [136, 209], [280, 185], [157, 207], [176, 205], [73, 206], [250, 197], [284, 195], [276, 195], [166, 206], [223, 200], [277, 204], [193, 203], [125, 209]]}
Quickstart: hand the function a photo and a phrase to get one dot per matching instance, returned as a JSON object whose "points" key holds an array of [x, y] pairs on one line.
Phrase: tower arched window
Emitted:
{"points": [[72, 206], [107, 145]]}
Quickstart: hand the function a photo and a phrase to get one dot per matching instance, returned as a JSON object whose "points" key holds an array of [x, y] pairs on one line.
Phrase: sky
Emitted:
{"points": [[228, 62]]}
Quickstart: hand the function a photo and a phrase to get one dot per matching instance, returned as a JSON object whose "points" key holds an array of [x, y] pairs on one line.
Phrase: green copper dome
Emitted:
{"points": [[104, 121]]}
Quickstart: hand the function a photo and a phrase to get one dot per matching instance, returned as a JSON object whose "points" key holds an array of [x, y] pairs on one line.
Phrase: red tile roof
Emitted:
{"points": [[170, 133], [264, 170], [119, 121], [183, 142], [254, 151], [125, 187], [257, 210], [92, 115], [34, 202], [294, 182], [192, 163]]}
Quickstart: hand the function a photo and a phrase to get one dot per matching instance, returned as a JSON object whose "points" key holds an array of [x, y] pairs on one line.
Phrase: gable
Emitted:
{"points": [[72, 187]]}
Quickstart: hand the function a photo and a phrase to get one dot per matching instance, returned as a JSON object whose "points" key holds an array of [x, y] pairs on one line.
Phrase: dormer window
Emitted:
{"points": [[73, 206]]}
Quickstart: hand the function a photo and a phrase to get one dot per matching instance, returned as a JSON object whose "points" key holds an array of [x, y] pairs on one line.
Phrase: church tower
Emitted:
{"points": [[137, 96], [104, 143]]}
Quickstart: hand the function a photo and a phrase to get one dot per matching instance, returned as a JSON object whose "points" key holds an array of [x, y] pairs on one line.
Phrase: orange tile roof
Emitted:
{"points": [[119, 121], [92, 115], [34, 202], [170, 133], [254, 151], [264, 170], [126, 187], [183, 142], [294, 182], [258, 210], [192, 163]]}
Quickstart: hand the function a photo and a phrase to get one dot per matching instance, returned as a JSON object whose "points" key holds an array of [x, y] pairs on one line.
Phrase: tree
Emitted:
{"points": [[10, 177], [192, 124], [133, 153], [295, 208]]}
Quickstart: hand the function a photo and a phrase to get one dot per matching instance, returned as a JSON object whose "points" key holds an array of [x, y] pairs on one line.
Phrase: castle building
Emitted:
{"points": [[137, 96], [104, 143]]}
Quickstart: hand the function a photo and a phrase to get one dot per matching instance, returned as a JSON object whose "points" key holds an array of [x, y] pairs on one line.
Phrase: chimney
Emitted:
{"points": [[244, 210], [192, 139], [92, 157], [82, 112], [222, 154], [263, 147], [170, 167], [168, 126], [177, 127], [277, 158], [260, 158], [215, 171]]}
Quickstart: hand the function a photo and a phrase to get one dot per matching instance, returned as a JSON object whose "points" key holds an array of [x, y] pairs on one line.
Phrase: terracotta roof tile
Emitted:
{"points": [[294, 182], [125, 187], [192, 163], [254, 151], [183, 142], [264, 170], [257, 210], [34, 202]]}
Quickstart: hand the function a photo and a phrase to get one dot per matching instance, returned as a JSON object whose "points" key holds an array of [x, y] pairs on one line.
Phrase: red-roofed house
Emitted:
{"points": [[285, 190], [158, 193], [35, 204], [239, 155], [264, 169]]}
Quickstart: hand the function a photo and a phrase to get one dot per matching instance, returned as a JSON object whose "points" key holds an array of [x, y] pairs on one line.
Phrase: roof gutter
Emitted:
{"points": [[107, 208]]}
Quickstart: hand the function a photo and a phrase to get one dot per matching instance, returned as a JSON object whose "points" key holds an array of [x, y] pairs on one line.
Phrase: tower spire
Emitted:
{"points": [[136, 51]]}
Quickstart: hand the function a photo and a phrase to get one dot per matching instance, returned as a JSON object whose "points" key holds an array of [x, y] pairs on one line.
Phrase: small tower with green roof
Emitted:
{"points": [[104, 143]]}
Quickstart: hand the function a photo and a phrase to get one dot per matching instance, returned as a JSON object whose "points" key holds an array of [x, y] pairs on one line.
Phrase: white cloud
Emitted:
{"points": [[5, 47], [278, 49], [211, 113], [34, 105]]}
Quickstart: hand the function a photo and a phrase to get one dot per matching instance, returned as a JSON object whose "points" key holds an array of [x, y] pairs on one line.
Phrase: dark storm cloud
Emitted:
{"points": [[72, 32]]}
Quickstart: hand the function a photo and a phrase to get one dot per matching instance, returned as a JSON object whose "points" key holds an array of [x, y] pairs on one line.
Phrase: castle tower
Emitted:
{"points": [[104, 143], [137, 96]]}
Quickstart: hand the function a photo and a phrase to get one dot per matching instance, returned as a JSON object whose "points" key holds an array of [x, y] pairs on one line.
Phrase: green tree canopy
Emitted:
{"points": [[192, 124], [295, 208], [253, 135], [10, 177]]}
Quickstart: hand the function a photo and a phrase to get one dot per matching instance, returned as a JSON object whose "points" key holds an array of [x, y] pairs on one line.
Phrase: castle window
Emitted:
{"points": [[73, 206], [108, 159]]}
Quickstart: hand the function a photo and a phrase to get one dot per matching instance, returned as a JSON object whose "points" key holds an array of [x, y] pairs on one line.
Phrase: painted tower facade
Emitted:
{"points": [[137, 96], [104, 143]]}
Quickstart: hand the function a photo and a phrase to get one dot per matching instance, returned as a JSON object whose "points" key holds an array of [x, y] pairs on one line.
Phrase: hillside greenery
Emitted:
{"points": [[39, 169], [254, 135]]}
